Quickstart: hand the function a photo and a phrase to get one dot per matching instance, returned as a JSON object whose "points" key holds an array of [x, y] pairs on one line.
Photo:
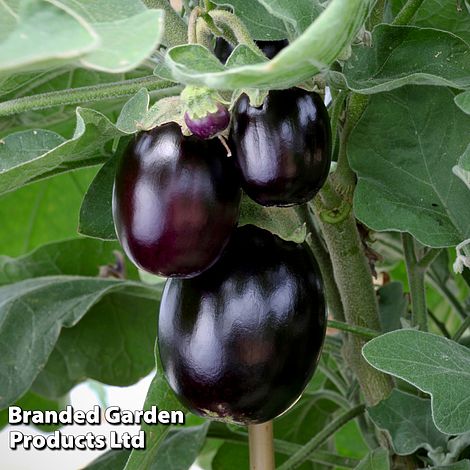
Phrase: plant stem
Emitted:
{"points": [[462, 329], [406, 14], [439, 324], [302, 455], [86, 94], [323, 258], [175, 29], [260, 439], [416, 283], [354, 280], [429, 258], [357, 330]]}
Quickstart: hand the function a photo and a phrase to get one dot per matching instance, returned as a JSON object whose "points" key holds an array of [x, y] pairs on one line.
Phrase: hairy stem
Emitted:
{"points": [[406, 14], [323, 258], [302, 455], [175, 29], [354, 280], [416, 284], [87, 94]]}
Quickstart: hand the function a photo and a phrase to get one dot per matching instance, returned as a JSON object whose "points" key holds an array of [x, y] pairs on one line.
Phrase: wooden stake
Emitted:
{"points": [[260, 437]]}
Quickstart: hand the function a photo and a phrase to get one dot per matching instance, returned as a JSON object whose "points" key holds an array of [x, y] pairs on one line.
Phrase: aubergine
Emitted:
{"points": [[283, 147], [240, 342], [175, 201]]}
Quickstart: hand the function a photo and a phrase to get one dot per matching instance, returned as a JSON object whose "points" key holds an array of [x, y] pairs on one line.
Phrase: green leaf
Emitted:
{"points": [[433, 364], [96, 214], [32, 314], [392, 305], [111, 460], [112, 343], [160, 395], [32, 401], [256, 18], [43, 34], [378, 459], [442, 14], [110, 36], [309, 54], [36, 154], [462, 169], [70, 257], [42, 212], [405, 55], [300, 14], [404, 165], [283, 222], [408, 420], [463, 101], [180, 448]]}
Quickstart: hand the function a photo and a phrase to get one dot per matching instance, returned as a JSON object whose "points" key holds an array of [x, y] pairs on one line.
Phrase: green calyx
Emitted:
{"points": [[200, 101]]}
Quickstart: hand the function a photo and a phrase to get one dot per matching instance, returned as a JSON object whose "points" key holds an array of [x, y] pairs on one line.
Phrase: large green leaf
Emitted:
{"points": [[180, 449], [113, 344], [300, 14], [404, 55], [111, 460], [256, 18], [378, 459], [81, 256], [36, 154], [404, 165], [42, 34], [32, 314], [392, 305], [432, 363], [408, 420], [441, 14], [42, 212], [112, 36], [160, 395], [310, 53]]}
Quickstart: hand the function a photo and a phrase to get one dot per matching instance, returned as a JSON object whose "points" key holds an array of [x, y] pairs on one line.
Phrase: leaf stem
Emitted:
{"points": [[406, 14], [302, 455], [416, 283], [324, 261], [357, 330], [429, 258], [87, 94], [462, 329]]}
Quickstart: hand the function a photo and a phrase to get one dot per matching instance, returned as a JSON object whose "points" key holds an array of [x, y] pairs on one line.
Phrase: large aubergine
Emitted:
{"points": [[283, 148], [240, 342], [175, 201]]}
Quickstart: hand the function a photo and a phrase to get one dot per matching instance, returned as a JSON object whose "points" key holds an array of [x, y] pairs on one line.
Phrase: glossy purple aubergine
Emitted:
{"points": [[209, 125], [240, 342], [283, 147], [175, 201]]}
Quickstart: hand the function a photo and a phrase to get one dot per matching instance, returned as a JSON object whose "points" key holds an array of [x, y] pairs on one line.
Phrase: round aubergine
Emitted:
{"points": [[270, 49], [240, 342], [283, 147], [175, 201]]}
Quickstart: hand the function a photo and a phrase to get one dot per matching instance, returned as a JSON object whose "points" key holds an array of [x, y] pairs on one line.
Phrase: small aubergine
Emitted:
{"points": [[175, 201], [283, 147], [240, 342]]}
